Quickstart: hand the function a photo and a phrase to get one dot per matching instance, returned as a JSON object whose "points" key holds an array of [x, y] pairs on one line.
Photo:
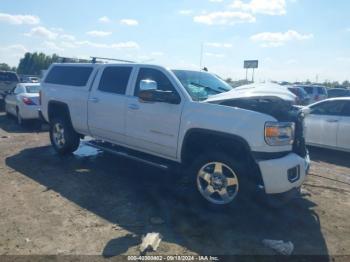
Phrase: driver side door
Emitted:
{"points": [[153, 127]]}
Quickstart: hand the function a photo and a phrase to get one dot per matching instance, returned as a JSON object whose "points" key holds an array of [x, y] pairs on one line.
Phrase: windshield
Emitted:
{"points": [[33, 89], [201, 85]]}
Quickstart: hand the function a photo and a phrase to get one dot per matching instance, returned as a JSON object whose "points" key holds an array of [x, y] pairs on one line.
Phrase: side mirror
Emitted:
{"points": [[149, 93], [306, 110], [146, 85]]}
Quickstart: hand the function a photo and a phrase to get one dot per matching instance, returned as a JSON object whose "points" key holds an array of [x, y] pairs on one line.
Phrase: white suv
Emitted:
{"points": [[230, 140], [316, 93]]}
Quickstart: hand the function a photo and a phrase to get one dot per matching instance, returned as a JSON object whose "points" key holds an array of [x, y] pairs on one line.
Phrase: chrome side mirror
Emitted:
{"points": [[148, 85]]}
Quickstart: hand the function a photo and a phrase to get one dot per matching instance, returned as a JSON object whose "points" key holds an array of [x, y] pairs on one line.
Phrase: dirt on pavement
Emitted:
{"points": [[98, 204]]}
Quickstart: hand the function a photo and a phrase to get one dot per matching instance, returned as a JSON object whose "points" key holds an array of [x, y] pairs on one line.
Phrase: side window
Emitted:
{"points": [[69, 75], [321, 90], [331, 108], [115, 79], [309, 89], [18, 90], [162, 80], [346, 109]]}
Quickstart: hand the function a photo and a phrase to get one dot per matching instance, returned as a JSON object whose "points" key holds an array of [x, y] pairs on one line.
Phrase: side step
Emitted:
{"points": [[130, 154]]}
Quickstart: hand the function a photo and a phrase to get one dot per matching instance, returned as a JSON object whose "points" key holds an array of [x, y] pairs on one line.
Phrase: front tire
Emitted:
{"points": [[220, 181], [63, 137]]}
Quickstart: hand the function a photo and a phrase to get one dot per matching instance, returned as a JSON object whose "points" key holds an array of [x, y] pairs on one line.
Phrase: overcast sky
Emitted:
{"points": [[293, 39]]}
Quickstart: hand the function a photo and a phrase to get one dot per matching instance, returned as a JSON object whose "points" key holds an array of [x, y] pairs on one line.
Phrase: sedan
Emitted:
{"points": [[327, 124], [23, 102]]}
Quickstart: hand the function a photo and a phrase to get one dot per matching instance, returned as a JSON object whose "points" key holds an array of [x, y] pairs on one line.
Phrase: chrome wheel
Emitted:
{"points": [[217, 183], [58, 135]]}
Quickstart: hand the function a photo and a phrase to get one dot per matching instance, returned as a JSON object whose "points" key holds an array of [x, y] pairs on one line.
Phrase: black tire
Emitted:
{"points": [[7, 113], [71, 139], [19, 119], [245, 187]]}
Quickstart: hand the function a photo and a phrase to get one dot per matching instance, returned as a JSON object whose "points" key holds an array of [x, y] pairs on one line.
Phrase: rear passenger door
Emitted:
{"points": [[107, 103]]}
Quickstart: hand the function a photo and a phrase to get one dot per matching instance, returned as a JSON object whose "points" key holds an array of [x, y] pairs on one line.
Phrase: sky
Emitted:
{"points": [[294, 40]]}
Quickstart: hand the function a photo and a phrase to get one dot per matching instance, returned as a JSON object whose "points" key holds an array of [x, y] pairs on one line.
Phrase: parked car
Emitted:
{"points": [[8, 80], [316, 93], [231, 141], [328, 124], [302, 97], [338, 92], [23, 102]]}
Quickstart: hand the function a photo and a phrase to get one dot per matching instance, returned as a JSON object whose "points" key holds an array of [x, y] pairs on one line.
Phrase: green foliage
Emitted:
{"points": [[6, 67], [33, 63]]}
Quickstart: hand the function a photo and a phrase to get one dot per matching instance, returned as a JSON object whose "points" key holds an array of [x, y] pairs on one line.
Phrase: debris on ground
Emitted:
{"points": [[156, 220], [279, 246], [305, 192], [150, 242]]}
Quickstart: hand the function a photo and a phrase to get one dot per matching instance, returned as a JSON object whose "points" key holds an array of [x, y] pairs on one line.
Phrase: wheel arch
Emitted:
{"points": [[57, 108], [197, 141], [211, 137]]}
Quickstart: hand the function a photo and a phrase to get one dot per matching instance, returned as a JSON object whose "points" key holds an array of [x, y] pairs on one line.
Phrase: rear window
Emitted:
{"points": [[69, 75], [33, 89]]}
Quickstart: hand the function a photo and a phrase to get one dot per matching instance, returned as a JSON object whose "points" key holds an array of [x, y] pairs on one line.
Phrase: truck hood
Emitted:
{"points": [[270, 99], [269, 91]]}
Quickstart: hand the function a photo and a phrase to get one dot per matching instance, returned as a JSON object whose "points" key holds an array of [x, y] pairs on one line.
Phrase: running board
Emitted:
{"points": [[127, 153]]}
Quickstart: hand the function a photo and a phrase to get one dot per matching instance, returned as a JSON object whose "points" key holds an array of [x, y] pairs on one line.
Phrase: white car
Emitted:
{"points": [[328, 124], [23, 102]]}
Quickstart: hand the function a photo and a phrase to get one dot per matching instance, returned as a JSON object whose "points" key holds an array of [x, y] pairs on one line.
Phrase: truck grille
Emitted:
{"points": [[299, 146]]}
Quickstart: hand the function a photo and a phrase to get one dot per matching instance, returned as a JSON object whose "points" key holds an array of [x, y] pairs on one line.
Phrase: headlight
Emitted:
{"points": [[279, 133]]}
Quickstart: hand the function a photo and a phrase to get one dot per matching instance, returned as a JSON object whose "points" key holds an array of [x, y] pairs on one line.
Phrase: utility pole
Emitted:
{"points": [[201, 57]]}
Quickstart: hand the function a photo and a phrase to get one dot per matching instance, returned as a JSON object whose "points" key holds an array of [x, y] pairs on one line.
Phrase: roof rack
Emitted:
{"points": [[62, 59], [94, 59]]}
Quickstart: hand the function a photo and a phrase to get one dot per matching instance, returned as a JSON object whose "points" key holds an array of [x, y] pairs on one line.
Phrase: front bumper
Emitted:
{"points": [[284, 174]]}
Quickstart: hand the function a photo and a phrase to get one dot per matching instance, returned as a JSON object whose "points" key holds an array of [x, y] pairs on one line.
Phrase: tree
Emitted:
{"points": [[6, 67], [34, 63]]}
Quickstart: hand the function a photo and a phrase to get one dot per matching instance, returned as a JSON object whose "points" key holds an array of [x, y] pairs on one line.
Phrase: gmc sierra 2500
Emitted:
{"points": [[230, 139]]}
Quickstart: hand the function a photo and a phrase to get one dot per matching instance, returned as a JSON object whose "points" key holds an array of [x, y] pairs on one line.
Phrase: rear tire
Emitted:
{"points": [[19, 118], [63, 137]]}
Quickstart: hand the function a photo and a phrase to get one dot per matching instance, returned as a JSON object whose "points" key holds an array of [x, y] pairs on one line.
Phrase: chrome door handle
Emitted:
{"points": [[332, 121], [94, 100], [133, 106]]}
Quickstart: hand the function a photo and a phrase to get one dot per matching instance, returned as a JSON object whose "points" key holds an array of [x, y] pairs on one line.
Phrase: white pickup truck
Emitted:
{"points": [[229, 140]]}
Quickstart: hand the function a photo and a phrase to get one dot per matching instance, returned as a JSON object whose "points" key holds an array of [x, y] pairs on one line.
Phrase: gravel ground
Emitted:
{"points": [[98, 204]]}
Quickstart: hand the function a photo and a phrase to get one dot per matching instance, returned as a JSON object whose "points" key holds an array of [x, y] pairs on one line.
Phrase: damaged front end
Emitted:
{"points": [[281, 109]]}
